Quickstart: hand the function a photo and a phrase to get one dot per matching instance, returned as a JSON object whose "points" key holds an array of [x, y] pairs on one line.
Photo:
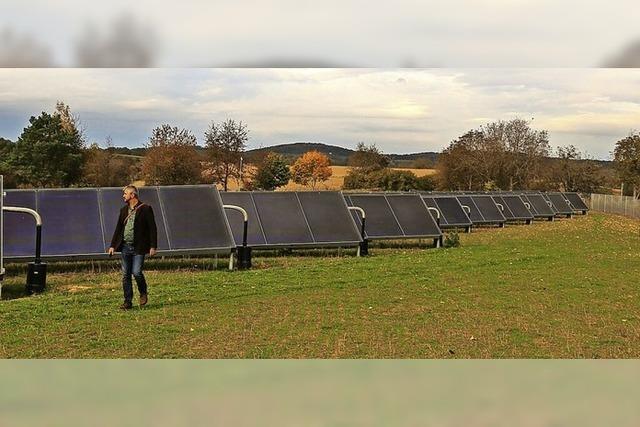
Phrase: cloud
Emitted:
{"points": [[400, 110]]}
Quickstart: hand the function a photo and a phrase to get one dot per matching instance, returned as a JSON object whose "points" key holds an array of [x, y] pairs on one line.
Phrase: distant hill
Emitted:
{"points": [[339, 156]]}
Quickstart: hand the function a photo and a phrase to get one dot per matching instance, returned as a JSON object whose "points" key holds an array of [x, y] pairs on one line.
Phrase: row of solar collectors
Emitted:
{"points": [[78, 223], [461, 209], [561, 203]]}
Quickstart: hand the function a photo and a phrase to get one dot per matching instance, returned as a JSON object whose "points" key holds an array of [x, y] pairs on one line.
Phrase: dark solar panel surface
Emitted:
{"points": [[194, 218], [328, 217], [490, 212], [452, 210], [517, 207], [381, 222], [413, 215], [430, 202], [73, 225], [576, 201], [282, 218], [560, 203], [506, 211], [19, 229], [475, 215], [111, 202], [244, 199]]}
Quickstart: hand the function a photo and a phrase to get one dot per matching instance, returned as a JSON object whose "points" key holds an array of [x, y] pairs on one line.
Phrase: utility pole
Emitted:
{"points": [[241, 181]]}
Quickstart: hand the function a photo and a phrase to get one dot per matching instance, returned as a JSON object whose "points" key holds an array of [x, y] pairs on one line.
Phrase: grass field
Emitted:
{"points": [[567, 289]]}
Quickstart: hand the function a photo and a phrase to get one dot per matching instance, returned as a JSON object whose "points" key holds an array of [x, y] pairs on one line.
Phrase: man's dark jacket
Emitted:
{"points": [[145, 232]]}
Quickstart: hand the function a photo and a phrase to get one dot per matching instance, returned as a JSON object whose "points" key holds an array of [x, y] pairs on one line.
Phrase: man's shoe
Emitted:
{"points": [[126, 306], [143, 299]]}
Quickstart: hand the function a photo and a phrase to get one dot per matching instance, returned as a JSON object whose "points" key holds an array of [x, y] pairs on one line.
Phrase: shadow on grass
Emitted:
{"points": [[14, 291]]}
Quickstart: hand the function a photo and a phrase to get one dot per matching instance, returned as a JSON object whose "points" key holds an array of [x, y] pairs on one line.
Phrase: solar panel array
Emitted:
{"points": [[514, 207], [395, 216], [78, 223], [576, 202], [452, 213], [559, 203], [539, 206], [293, 219]]}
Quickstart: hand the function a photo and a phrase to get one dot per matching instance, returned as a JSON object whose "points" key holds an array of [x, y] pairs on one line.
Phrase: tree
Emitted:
{"points": [[311, 168], [171, 157], [47, 154], [502, 154], [572, 172], [524, 148], [105, 168], [366, 164], [368, 157], [626, 160], [225, 145], [6, 146], [271, 172]]}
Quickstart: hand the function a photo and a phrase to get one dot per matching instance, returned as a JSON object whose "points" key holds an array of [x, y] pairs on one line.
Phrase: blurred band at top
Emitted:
{"points": [[294, 33]]}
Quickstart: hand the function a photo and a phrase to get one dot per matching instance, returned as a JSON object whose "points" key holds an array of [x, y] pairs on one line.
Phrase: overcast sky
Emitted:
{"points": [[401, 111]]}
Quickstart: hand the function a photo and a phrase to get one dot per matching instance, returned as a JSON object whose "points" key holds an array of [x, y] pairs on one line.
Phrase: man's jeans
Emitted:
{"points": [[132, 264]]}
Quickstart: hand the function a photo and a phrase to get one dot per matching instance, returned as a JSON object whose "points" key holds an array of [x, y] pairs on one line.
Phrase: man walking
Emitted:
{"points": [[135, 236]]}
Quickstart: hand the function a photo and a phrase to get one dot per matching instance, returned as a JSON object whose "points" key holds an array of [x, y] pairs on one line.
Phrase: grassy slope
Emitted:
{"points": [[562, 289]]}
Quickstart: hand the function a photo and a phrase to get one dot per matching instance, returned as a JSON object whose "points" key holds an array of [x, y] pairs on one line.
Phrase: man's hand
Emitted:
{"points": [[152, 251], [110, 251]]}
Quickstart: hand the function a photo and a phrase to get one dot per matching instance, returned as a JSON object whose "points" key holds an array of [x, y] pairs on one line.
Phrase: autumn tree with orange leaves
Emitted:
{"points": [[311, 168]]}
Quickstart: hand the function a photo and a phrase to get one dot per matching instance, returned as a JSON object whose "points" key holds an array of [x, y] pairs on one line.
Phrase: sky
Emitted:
{"points": [[339, 33], [399, 110]]}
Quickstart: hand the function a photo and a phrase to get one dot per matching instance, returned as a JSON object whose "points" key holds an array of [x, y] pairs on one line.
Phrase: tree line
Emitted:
{"points": [[508, 155]]}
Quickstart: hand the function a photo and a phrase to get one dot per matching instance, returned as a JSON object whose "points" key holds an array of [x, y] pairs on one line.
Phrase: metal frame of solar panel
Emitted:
{"points": [[452, 214], [560, 204], [539, 206], [395, 216], [295, 219], [482, 213], [514, 208], [576, 202], [77, 223]]}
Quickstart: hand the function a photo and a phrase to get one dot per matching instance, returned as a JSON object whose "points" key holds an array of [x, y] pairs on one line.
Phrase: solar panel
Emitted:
{"points": [[73, 226], [451, 211], [517, 207], [195, 220], [111, 202], [244, 199], [577, 202], [282, 218], [413, 215], [328, 217], [504, 208], [560, 204], [395, 216], [381, 222], [19, 228], [474, 212], [539, 205], [430, 202], [490, 212]]}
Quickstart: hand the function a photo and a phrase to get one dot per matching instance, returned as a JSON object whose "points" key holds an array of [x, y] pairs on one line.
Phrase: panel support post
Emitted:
{"points": [[243, 252], [363, 246], [37, 270]]}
